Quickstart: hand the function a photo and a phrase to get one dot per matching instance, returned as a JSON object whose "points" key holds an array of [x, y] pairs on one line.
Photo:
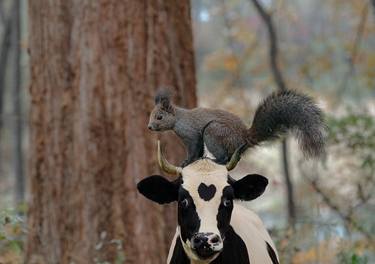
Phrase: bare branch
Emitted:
{"points": [[346, 217], [279, 80], [356, 45], [273, 45]]}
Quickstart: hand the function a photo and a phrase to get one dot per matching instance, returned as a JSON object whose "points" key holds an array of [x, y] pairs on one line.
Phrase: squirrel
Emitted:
{"points": [[221, 133]]}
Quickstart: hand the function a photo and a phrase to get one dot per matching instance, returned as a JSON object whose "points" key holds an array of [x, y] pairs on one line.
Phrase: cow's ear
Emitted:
{"points": [[159, 189], [249, 187]]}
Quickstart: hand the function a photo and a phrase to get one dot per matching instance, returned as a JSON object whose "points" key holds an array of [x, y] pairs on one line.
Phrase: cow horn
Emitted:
{"points": [[232, 163], [165, 165]]}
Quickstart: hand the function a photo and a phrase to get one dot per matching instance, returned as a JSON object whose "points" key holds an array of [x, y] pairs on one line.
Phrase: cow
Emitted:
{"points": [[213, 227]]}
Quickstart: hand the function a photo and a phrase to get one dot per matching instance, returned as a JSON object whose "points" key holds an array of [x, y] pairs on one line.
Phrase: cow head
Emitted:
{"points": [[205, 193]]}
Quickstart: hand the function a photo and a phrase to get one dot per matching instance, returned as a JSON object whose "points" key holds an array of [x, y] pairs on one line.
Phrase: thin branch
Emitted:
{"points": [[279, 80], [228, 25], [359, 34], [273, 45], [346, 217], [356, 45]]}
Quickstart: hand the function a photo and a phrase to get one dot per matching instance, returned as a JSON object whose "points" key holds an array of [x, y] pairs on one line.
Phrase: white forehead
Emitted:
{"points": [[204, 171], [209, 173]]}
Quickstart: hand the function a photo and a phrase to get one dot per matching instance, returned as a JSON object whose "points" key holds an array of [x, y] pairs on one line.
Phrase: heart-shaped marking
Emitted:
{"points": [[206, 192]]}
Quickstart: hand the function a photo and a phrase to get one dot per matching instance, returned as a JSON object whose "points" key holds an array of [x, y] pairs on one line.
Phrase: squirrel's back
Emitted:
{"points": [[209, 114]]}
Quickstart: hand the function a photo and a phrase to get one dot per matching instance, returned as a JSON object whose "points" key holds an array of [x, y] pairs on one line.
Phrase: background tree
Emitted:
{"points": [[324, 52], [280, 83], [17, 106], [95, 66], [6, 22]]}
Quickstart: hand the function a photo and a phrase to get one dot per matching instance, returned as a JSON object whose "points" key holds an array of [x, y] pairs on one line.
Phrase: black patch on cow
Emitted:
{"points": [[249, 187], [188, 218], [272, 254], [234, 251], [225, 212], [206, 192], [179, 256], [159, 189]]}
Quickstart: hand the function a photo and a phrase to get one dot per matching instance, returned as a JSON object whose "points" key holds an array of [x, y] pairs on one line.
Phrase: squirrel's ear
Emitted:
{"points": [[166, 104], [163, 97]]}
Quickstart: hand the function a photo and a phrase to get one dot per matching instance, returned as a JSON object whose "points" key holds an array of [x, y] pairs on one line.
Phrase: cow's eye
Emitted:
{"points": [[227, 202], [159, 117], [184, 203]]}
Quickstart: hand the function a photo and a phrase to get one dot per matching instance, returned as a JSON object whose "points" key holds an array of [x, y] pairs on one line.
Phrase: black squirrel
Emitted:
{"points": [[222, 132]]}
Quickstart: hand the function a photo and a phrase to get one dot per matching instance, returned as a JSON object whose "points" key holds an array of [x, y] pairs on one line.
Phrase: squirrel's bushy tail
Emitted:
{"points": [[288, 110]]}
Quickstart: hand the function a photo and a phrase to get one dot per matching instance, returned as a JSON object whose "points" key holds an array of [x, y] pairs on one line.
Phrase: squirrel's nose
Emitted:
{"points": [[149, 127]]}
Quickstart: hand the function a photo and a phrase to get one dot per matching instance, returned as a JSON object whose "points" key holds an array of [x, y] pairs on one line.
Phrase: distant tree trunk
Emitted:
{"points": [[4, 55], [95, 66], [17, 104], [279, 80], [288, 183]]}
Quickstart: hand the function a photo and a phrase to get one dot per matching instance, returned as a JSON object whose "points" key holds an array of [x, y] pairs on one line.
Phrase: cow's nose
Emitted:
{"points": [[198, 240], [206, 244]]}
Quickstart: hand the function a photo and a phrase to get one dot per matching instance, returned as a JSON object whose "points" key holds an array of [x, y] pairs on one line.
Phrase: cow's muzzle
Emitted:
{"points": [[206, 245]]}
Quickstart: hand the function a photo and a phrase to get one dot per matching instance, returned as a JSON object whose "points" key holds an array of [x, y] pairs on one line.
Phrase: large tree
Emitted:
{"points": [[95, 66]]}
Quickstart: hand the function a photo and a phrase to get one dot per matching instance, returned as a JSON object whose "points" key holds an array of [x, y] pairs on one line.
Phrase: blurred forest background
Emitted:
{"points": [[320, 211]]}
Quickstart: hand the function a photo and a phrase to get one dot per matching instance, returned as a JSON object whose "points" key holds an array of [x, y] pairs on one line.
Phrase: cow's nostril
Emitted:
{"points": [[197, 242], [215, 240]]}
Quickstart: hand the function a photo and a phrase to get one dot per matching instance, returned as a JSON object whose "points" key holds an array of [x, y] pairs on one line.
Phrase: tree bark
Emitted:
{"points": [[279, 80], [95, 66]]}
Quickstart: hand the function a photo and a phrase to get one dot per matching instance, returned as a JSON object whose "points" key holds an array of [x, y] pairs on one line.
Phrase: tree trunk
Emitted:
{"points": [[95, 66]]}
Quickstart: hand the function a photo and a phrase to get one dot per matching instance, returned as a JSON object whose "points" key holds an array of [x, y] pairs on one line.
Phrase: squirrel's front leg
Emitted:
{"points": [[195, 150]]}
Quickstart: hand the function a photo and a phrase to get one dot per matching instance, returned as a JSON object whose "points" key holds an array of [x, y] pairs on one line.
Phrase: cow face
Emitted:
{"points": [[205, 194]]}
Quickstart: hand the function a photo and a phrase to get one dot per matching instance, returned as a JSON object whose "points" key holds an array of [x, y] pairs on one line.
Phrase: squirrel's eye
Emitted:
{"points": [[227, 203], [184, 203], [159, 117]]}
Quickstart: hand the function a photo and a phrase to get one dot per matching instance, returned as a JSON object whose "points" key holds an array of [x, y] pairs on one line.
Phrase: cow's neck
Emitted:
{"points": [[234, 250]]}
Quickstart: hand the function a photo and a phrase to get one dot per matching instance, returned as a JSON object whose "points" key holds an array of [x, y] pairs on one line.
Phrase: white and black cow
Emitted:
{"points": [[212, 226]]}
